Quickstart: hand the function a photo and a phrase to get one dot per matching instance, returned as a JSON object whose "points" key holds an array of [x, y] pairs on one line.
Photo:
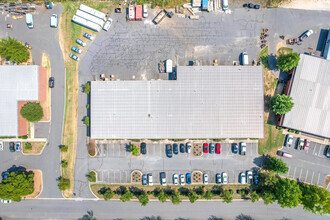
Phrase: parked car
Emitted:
{"points": [[235, 148], [205, 178], [281, 153], [51, 82], [18, 146], [245, 58], [163, 178], [74, 57], [107, 24], [53, 21], [12, 147], [175, 179], [301, 143], [150, 180], [76, 49], [182, 148], [212, 148], [188, 178], [80, 42], [306, 144], [256, 178], [1, 145], [218, 178], [188, 145], [327, 154], [249, 177], [289, 140], [306, 34], [144, 179], [5, 175], [175, 148], [145, 10], [88, 36], [5, 201], [224, 178], [143, 148], [256, 6], [218, 148], [169, 150], [206, 147], [242, 178], [243, 148], [182, 180], [250, 5]]}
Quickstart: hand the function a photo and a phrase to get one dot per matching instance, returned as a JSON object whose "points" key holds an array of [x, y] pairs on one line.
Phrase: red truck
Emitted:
{"points": [[138, 13]]}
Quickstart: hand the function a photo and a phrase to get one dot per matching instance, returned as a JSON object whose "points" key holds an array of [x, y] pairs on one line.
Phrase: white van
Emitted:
{"points": [[169, 67], [224, 5], [245, 59], [29, 20], [53, 20], [145, 10]]}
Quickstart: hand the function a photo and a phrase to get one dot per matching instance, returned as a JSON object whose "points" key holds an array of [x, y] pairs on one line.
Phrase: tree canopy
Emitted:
{"points": [[162, 196], [287, 61], [13, 50], [288, 193], [281, 104], [227, 196], [315, 199], [32, 112], [192, 196], [127, 196], [143, 199], [276, 165], [18, 184], [175, 198]]}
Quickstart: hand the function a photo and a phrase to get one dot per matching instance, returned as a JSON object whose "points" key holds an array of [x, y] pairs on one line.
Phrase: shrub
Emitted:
{"points": [[281, 104], [64, 148], [86, 121], [276, 165], [63, 184], [208, 195], [108, 194], [254, 196], [162, 196], [64, 163], [134, 150], [32, 112], [13, 50], [127, 196], [297, 132], [291, 131], [92, 176], [87, 88], [227, 196], [175, 198], [28, 146], [287, 62], [143, 199], [192, 196]]}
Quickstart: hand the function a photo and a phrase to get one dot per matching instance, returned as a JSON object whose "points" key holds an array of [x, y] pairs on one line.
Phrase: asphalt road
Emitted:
{"points": [[70, 209], [42, 38]]}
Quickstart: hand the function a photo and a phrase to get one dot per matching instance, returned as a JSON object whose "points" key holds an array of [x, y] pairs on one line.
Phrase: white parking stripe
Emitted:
{"points": [[288, 171], [312, 178], [314, 149], [320, 151], [300, 173], [294, 173], [306, 176], [318, 179]]}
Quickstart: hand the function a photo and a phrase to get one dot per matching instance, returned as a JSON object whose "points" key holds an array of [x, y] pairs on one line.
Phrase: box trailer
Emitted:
{"points": [[205, 4], [160, 16], [196, 3], [131, 13], [90, 17], [86, 23], [169, 66], [93, 12], [138, 12]]}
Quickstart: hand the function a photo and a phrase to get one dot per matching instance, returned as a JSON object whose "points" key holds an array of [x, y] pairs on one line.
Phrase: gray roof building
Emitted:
{"points": [[17, 83], [204, 102], [310, 91]]}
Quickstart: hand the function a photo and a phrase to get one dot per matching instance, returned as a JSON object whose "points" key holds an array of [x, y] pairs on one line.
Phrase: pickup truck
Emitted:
{"points": [[243, 148], [160, 16]]}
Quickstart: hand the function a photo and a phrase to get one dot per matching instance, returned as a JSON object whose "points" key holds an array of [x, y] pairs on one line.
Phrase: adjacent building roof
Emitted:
{"points": [[204, 102], [311, 96], [326, 52], [17, 83]]}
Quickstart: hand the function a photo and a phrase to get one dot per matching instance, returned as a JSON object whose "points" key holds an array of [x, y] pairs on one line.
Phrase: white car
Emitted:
{"points": [[182, 180], [242, 178], [5, 201], [188, 147], [224, 178], [145, 10], [53, 20], [305, 35], [249, 176], [289, 140], [205, 178], [175, 179], [1, 145], [107, 25], [150, 181], [243, 148]]}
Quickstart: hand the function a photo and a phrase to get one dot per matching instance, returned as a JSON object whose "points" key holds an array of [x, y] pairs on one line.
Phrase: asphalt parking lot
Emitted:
{"points": [[310, 166], [116, 163]]}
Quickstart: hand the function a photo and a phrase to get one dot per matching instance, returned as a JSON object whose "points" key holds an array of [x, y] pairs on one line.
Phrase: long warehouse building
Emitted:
{"points": [[204, 102]]}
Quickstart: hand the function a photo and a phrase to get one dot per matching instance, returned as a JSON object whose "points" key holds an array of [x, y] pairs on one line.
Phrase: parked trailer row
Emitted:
{"points": [[86, 23], [94, 12], [90, 17], [135, 13], [161, 15]]}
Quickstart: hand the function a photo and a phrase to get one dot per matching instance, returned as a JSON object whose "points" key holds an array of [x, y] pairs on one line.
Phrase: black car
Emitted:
{"points": [[328, 152], [169, 150], [175, 148], [235, 148], [143, 148], [51, 82], [250, 5], [256, 6], [12, 147], [182, 148], [170, 14]]}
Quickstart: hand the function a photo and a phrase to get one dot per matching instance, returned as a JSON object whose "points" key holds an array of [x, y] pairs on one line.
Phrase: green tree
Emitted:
{"points": [[32, 112], [127, 196], [64, 148], [286, 62], [92, 176], [86, 121], [134, 150], [108, 194], [192, 196], [13, 50], [63, 184], [276, 165], [268, 197], [64, 163], [162, 196], [87, 88], [281, 104], [254, 196], [28, 146], [208, 195], [315, 199], [175, 198], [227, 196], [288, 193], [143, 199], [18, 184]]}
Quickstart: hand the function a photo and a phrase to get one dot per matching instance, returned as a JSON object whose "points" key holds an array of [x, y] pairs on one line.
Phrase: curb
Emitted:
{"points": [[35, 154]]}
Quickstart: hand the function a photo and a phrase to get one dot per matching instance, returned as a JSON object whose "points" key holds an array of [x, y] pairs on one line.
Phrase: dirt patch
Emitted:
{"points": [[37, 184], [46, 104], [36, 147], [307, 4], [197, 177], [327, 181], [197, 150], [136, 176], [92, 147]]}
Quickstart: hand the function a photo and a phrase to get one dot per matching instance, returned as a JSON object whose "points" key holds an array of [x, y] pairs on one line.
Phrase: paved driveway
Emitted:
{"points": [[309, 166], [116, 163]]}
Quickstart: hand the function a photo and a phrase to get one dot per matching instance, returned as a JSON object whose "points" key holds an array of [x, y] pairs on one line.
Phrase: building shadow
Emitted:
{"points": [[322, 40]]}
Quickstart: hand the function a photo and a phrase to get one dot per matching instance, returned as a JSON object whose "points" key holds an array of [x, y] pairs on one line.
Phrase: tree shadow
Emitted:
{"points": [[14, 168], [88, 216], [184, 191], [259, 161], [121, 190], [169, 191], [136, 191], [157, 191], [217, 189], [212, 217], [243, 217], [199, 190], [151, 218], [322, 40]]}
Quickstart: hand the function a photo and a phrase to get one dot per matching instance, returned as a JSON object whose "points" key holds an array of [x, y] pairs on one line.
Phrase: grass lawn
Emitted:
{"points": [[284, 50], [69, 32], [263, 56], [36, 147], [273, 140]]}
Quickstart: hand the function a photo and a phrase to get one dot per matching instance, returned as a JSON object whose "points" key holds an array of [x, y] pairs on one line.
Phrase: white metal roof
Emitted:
{"points": [[311, 97], [204, 102], [17, 83]]}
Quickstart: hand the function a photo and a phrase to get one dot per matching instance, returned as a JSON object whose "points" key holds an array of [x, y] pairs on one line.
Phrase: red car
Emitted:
{"points": [[206, 148], [306, 144], [218, 148]]}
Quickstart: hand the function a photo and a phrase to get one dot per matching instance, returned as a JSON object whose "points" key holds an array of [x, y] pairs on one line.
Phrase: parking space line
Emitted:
{"points": [[320, 151], [306, 176], [318, 179], [294, 173], [288, 171], [300, 173], [314, 149], [312, 178]]}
